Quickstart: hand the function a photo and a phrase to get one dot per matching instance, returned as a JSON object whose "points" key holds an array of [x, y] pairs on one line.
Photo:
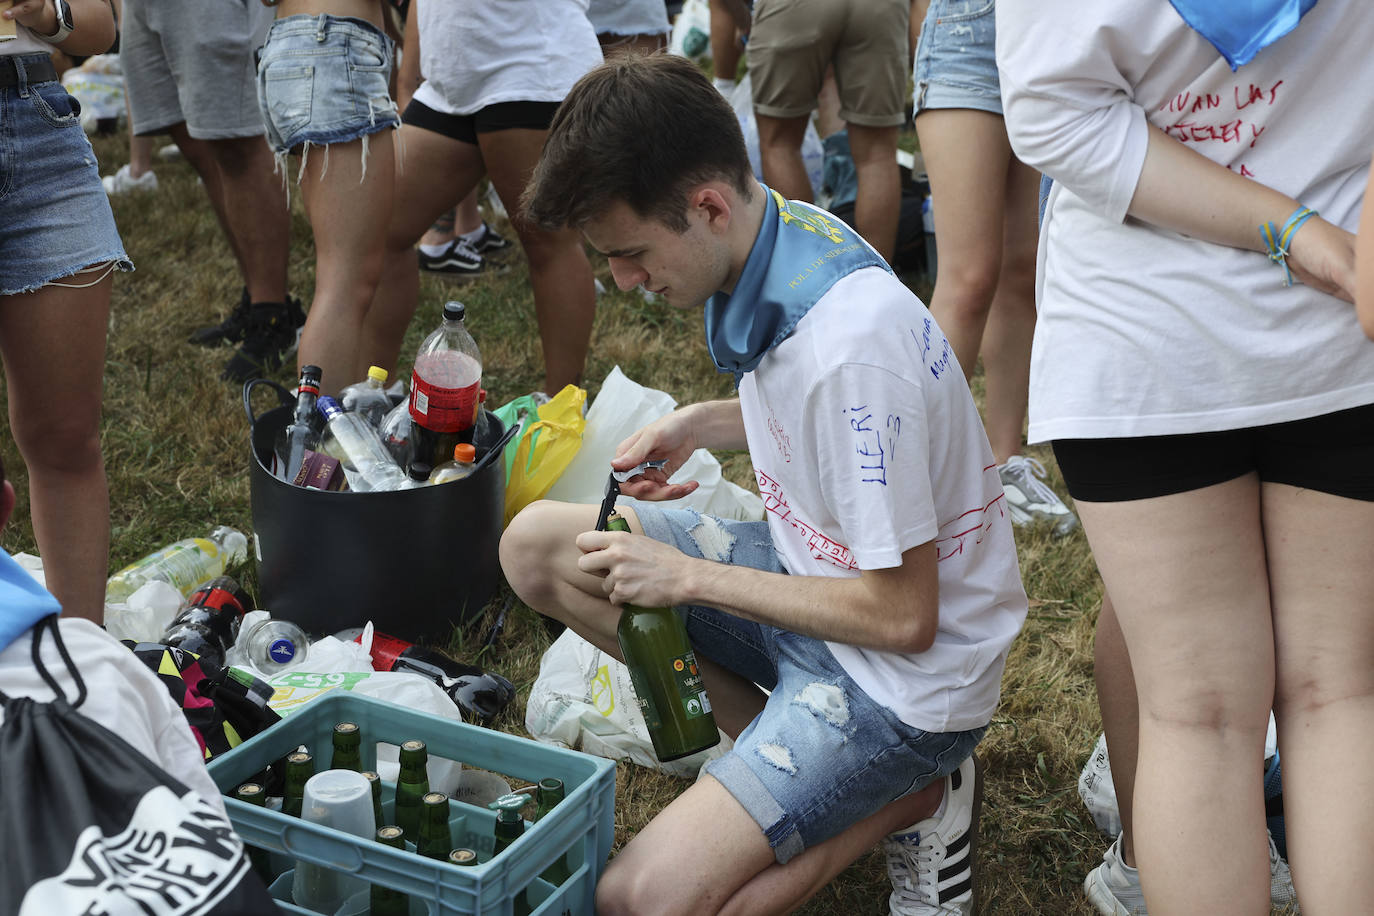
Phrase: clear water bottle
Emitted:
{"points": [[273, 645], [368, 398], [398, 434], [464, 455], [303, 432], [185, 565], [445, 388], [369, 466]]}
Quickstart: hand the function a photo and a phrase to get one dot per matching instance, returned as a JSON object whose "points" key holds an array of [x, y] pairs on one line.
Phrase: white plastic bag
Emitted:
{"points": [[813, 153], [147, 613], [692, 31], [622, 408], [583, 699]]}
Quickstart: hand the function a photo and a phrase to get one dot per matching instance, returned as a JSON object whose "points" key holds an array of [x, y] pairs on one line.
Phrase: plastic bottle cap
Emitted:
{"points": [[281, 650], [328, 406], [376, 372], [465, 453], [454, 311]]}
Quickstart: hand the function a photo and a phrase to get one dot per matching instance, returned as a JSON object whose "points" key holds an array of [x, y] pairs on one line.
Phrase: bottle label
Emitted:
{"points": [[216, 599], [443, 410], [645, 698], [386, 650], [688, 679]]}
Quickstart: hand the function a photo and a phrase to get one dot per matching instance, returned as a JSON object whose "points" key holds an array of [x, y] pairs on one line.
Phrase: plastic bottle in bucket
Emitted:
{"points": [[464, 456], [184, 565], [369, 466], [368, 398], [398, 434], [445, 388]]}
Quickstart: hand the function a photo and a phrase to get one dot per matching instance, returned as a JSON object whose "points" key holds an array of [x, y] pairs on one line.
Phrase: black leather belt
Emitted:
{"points": [[35, 71]]}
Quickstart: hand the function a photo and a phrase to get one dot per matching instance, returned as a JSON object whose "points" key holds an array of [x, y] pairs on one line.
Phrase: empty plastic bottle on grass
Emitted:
{"points": [[303, 432], [479, 694], [184, 565], [369, 466], [209, 622], [464, 458], [368, 398], [274, 645], [445, 387]]}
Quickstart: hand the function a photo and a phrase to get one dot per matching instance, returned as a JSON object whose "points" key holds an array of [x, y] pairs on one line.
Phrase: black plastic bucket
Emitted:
{"points": [[414, 562]]}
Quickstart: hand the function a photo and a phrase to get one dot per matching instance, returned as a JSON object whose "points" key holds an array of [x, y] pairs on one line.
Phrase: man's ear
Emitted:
{"points": [[6, 502], [714, 204]]}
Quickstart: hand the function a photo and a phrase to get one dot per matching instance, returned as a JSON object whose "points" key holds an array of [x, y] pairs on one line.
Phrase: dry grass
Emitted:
{"points": [[176, 451]]}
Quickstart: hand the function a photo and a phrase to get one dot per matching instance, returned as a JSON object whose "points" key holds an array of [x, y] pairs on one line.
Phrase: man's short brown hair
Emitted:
{"points": [[642, 129]]}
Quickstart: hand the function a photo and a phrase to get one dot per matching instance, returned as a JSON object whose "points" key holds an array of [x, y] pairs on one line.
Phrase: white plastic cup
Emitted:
{"points": [[342, 800]]}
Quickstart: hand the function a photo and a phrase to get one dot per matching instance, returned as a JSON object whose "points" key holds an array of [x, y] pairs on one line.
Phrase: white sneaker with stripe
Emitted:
{"points": [[931, 862]]}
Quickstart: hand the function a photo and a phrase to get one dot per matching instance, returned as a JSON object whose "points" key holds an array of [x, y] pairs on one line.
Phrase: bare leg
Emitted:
{"points": [[1202, 652], [726, 47], [53, 345], [433, 173], [348, 214], [1120, 717], [780, 141], [560, 274], [198, 154], [444, 229], [966, 156], [877, 203], [1011, 316], [1319, 574]]}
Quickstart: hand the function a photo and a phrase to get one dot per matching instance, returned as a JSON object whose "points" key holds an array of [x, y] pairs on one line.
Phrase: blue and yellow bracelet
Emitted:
{"points": [[1277, 240]]}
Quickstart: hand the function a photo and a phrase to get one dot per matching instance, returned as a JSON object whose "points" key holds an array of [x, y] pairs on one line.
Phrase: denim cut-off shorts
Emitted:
{"points": [[822, 755], [322, 80], [956, 64], [56, 217]]}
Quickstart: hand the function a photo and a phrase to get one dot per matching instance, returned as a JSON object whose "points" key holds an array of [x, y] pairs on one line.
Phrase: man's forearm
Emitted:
{"points": [[717, 424]]}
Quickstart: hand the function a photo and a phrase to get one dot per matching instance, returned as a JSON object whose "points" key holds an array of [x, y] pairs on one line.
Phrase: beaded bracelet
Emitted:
{"points": [[1276, 241]]}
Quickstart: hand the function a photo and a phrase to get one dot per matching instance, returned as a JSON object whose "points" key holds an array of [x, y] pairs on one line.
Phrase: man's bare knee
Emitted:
{"points": [[526, 546]]}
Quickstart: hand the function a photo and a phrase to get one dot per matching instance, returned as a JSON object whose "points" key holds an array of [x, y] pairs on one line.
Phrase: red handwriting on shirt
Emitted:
{"points": [[969, 526], [820, 546]]}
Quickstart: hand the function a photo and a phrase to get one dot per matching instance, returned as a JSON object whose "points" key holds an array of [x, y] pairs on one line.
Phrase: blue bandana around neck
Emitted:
{"points": [[23, 602], [799, 254], [1240, 29]]}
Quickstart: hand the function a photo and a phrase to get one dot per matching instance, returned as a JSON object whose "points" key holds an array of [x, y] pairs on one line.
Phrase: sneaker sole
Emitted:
{"points": [[974, 831], [1101, 897]]}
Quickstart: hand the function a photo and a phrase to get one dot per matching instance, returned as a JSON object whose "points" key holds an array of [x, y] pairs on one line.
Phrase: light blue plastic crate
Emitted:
{"points": [[580, 828]]}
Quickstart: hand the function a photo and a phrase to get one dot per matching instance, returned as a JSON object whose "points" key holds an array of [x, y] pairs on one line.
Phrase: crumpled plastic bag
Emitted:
{"points": [[691, 35], [99, 86], [147, 613], [813, 152], [622, 408], [583, 699], [546, 448]]}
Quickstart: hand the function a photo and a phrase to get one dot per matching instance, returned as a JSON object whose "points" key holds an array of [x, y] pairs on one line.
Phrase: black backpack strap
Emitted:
{"points": [[50, 623]]}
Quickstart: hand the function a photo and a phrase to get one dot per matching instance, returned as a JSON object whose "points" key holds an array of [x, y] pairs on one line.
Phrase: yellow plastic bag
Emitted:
{"points": [[546, 447]]}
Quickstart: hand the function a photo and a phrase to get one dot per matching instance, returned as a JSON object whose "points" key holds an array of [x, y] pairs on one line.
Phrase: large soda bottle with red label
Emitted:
{"points": [[445, 388], [481, 694], [209, 622]]}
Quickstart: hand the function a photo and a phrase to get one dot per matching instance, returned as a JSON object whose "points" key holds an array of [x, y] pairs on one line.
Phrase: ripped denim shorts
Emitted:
{"points": [[322, 80], [822, 755]]}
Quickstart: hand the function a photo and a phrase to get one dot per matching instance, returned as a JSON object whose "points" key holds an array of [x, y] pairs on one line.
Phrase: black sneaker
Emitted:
{"points": [[489, 242], [270, 336], [457, 259], [230, 330]]}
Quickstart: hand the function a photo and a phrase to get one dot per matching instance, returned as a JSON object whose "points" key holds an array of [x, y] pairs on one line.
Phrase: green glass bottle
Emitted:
{"points": [[462, 856], [387, 901], [667, 682], [436, 839], [509, 826], [376, 782], [300, 766], [254, 794], [348, 741], [547, 795], [411, 786]]}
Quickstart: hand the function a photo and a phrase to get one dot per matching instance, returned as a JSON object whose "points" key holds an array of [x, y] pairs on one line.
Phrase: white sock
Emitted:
{"points": [[723, 86], [473, 236], [435, 250]]}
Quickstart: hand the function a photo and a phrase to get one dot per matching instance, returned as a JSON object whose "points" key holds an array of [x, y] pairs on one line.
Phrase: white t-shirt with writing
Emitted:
{"points": [[1144, 331], [866, 443], [475, 53]]}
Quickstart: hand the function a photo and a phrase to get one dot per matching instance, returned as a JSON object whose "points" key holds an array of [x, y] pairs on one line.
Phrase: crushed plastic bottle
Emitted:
{"points": [[368, 398], [185, 565]]}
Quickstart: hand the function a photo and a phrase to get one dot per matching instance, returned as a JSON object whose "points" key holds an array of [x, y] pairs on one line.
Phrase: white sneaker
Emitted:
{"points": [[1029, 499], [1114, 887], [931, 862], [121, 182], [170, 153]]}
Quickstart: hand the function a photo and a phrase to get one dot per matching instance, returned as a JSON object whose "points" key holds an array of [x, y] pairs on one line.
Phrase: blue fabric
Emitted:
{"points": [[1240, 29], [838, 174], [23, 602], [799, 254]]}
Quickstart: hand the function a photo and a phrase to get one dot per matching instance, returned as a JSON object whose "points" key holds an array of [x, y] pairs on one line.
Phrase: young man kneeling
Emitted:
{"points": [[876, 602]]}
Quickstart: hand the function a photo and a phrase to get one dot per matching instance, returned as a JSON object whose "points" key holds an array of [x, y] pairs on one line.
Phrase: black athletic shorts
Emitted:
{"points": [[1333, 453], [501, 116]]}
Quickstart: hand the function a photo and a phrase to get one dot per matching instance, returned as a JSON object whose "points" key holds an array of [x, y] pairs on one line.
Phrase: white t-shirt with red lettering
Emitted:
{"points": [[866, 443], [1143, 331]]}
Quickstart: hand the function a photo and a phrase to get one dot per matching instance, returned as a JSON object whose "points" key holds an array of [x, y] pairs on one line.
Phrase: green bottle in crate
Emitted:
{"points": [[547, 795], [300, 766], [436, 840], [387, 901], [254, 794], [462, 856], [411, 786], [663, 669], [375, 782], [509, 827], [348, 742]]}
